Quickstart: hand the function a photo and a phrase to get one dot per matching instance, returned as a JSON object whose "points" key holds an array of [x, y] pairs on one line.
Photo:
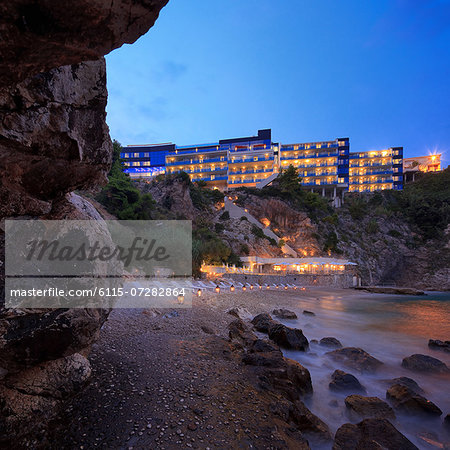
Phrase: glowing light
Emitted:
{"points": [[217, 289], [244, 288], [199, 292], [232, 288], [180, 299]]}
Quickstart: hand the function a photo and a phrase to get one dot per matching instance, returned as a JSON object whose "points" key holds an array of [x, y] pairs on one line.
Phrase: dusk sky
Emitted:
{"points": [[375, 71]]}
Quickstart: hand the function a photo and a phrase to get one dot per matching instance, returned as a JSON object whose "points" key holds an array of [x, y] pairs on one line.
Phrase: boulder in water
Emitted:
{"points": [[287, 337], [436, 344], [314, 428], [406, 400], [330, 342], [408, 382], [308, 313], [356, 358], [284, 314], [371, 434], [424, 363], [240, 313], [262, 321], [342, 381], [369, 407]]}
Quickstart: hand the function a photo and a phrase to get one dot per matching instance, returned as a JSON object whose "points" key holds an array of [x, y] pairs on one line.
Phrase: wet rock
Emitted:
{"points": [[424, 363], [368, 407], [264, 353], [314, 341], [447, 421], [406, 400], [240, 313], [342, 381], [309, 424], [371, 434], [408, 382], [355, 358], [299, 376], [261, 322], [308, 313], [240, 332], [287, 337], [330, 342], [436, 344], [284, 314]]}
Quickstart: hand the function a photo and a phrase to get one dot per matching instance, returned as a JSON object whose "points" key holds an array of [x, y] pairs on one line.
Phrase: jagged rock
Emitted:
{"points": [[408, 382], [330, 342], [368, 407], [342, 381], [261, 322], [314, 341], [30, 337], [424, 363], [447, 421], [308, 313], [263, 353], [48, 34], [314, 428], [54, 138], [33, 397], [356, 358], [405, 399], [439, 345], [371, 434], [239, 312], [300, 376], [241, 333], [287, 337], [284, 314]]}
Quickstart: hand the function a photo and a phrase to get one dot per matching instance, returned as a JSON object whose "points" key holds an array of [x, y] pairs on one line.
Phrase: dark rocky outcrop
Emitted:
{"points": [[345, 382], [287, 337], [308, 313], [436, 344], [53, 140], [262, 322], [371, 434], [284, 314], [406, 400], [315, 429], [408, 382], [355, 358], [424, 363], [330, 342], [368, 407]]}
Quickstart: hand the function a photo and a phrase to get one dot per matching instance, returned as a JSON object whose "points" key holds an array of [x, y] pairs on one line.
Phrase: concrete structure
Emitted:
{"points": [[420, 164], [325, 167], [376, 170]]}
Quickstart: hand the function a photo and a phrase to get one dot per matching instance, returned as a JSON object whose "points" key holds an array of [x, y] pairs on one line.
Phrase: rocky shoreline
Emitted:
{"points": [[208, 377]]}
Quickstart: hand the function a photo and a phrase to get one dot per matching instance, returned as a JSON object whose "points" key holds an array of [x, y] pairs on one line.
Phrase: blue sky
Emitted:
{"points": [[377, 71]]}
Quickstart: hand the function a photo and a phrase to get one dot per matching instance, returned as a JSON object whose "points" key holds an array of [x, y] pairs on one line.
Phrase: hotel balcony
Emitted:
{"points": [[250, 159], [382, 181], [244, 172], [213, 178], [311, 146], [195, 161], [369, 174], [310, 156]]}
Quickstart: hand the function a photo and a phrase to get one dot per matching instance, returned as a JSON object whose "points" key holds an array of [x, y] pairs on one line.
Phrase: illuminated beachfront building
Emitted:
{"points": [[421, 164], [323, 166], [376, 170], [326, 167]]}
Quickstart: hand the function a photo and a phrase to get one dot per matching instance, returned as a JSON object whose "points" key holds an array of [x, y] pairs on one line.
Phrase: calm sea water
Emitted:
{"points": [[389, 328]]}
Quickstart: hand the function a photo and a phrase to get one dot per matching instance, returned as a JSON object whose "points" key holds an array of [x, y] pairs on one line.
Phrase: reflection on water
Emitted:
{"points": [[389, 328]]}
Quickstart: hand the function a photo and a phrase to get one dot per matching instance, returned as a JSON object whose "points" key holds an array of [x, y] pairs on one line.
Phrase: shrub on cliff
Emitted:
{"points": [[120, 196]]}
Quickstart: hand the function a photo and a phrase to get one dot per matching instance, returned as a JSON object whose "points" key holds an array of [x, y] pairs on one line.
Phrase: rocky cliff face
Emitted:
{"points": [[53, 140]]}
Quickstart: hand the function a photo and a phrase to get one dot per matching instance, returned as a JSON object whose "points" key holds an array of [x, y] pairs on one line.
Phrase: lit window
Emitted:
{"points": [[136, 155]]}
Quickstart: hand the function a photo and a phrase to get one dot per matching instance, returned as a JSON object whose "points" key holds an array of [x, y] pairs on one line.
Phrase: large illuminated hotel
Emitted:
{"points": [[327, 167]]}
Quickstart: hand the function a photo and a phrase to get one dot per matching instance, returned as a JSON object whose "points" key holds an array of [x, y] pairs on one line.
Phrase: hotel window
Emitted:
{"points": [[146, 163], [136, 164], [146, 155], [255, 158], [127, 164], [127, 155], [136, 155]]}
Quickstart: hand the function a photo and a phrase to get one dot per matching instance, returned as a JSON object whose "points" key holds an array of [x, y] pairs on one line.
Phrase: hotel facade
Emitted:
{"points": [[326, 167]]}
